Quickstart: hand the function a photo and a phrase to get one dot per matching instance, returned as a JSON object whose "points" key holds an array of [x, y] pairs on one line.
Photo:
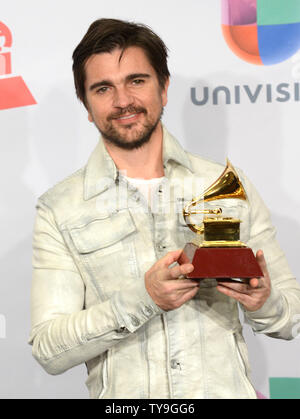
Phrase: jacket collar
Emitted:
{"points": [[101, 171], [173, 151]]}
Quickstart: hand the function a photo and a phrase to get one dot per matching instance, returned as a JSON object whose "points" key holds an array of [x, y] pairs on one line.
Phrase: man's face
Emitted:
{"points": [[123, 96]]}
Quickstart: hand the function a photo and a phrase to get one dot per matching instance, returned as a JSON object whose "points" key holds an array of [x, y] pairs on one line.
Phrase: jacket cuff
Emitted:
{"points": [[133, 307], [268, 315]]}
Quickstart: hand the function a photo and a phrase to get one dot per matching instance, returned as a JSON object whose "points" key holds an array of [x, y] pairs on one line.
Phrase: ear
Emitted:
{"points": [[164, 93]]}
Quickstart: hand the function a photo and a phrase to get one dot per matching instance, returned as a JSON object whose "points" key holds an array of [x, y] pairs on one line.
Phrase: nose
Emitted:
{"points": [[122, 97]]}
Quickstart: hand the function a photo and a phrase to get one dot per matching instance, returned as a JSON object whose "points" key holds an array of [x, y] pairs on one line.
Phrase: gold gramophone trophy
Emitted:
{"points": [[221, 255]]}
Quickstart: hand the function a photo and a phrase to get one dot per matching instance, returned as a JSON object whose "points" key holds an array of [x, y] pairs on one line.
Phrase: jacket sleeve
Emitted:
{"points": [[279, 315], [63, 333]]}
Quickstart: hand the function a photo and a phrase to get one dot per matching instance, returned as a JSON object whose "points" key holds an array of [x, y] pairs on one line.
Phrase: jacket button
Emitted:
{"points": [[122, 330], [135, 321], [160, 247], [175, 364], [136, 197], [148, 311]]}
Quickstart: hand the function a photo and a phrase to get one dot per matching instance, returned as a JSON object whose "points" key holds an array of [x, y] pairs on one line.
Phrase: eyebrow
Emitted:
{"points": [[110, 83]]}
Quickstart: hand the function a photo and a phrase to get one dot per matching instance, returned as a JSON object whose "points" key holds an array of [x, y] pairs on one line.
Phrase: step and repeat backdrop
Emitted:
{"points": [[235, 92]]}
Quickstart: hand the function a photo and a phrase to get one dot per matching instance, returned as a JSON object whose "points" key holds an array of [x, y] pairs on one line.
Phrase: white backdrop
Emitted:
{"points": [[43, 143]]}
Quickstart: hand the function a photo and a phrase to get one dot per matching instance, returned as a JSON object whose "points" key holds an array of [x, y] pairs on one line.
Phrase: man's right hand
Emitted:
{"points": [[164, 286]]}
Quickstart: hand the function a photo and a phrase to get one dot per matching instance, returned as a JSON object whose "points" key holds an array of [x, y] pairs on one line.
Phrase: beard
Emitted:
{"points": [[138, 137]]}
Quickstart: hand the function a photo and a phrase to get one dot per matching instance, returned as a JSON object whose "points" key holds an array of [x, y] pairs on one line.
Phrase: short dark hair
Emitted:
{"points": [[104, 35]]}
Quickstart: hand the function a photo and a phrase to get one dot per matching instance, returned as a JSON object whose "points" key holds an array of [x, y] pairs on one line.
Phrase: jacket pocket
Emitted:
{"points": [[102, 233], [106, 251]]}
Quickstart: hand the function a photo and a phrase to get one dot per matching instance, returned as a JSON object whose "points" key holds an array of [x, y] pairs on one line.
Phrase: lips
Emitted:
{"points": [[128, 120], [127, 115]]}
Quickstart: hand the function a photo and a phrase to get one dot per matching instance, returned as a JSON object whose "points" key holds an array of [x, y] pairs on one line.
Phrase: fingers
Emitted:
{"points": [[185, 285], [175, 273], [256, 283], [241, 297], [236, 287], [265, 280], [254, 294], [188, 295], [262, 262], [168, 259], [179, 270], [179, 297], [166, 272]]}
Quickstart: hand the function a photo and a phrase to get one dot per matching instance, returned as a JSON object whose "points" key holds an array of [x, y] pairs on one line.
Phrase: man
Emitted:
{"points": [[107, 290]]}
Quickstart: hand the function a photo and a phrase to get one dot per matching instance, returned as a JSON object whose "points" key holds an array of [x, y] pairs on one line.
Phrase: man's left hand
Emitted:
{"points": [[254, 294]]}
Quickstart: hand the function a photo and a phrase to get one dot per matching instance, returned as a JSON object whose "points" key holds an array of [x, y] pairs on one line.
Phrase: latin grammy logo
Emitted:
{"points": [[13, 91]]}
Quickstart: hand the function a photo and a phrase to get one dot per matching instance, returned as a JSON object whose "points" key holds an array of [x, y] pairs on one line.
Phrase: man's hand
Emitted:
{"points": [[163, 285], [253, 295]]}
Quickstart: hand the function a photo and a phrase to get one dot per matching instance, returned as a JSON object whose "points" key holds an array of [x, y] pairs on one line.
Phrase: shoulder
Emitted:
{"points": [[205, 168], [198, 162], [66, 193]]}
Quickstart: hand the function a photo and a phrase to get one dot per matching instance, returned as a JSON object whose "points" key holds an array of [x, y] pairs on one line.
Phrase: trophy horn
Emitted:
{"points": [[228, 185]]}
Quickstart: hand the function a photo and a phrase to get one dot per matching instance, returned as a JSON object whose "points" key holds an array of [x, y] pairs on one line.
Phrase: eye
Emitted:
{"points": [[138, 82], [102, 90]]}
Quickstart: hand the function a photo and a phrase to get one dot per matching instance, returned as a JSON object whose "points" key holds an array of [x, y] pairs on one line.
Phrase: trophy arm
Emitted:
{"points": [[187, 212]]}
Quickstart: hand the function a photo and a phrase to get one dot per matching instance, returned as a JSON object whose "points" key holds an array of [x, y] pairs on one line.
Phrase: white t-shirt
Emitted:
{"points": [[147, 187]]}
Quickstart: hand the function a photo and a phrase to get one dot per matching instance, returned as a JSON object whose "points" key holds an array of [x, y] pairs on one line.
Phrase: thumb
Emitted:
{"points": [[262, 262], [257, 282]]}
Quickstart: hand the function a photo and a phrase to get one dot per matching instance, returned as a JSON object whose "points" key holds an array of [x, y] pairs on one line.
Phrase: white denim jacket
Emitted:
{"points": [[94, 240]]}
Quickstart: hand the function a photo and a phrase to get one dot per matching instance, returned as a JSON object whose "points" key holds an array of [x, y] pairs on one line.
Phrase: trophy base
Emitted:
{"points": [[230, 263]]}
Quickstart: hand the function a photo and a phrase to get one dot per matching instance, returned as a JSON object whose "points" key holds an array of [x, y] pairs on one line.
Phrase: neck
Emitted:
{"points": [[145, 162]]}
